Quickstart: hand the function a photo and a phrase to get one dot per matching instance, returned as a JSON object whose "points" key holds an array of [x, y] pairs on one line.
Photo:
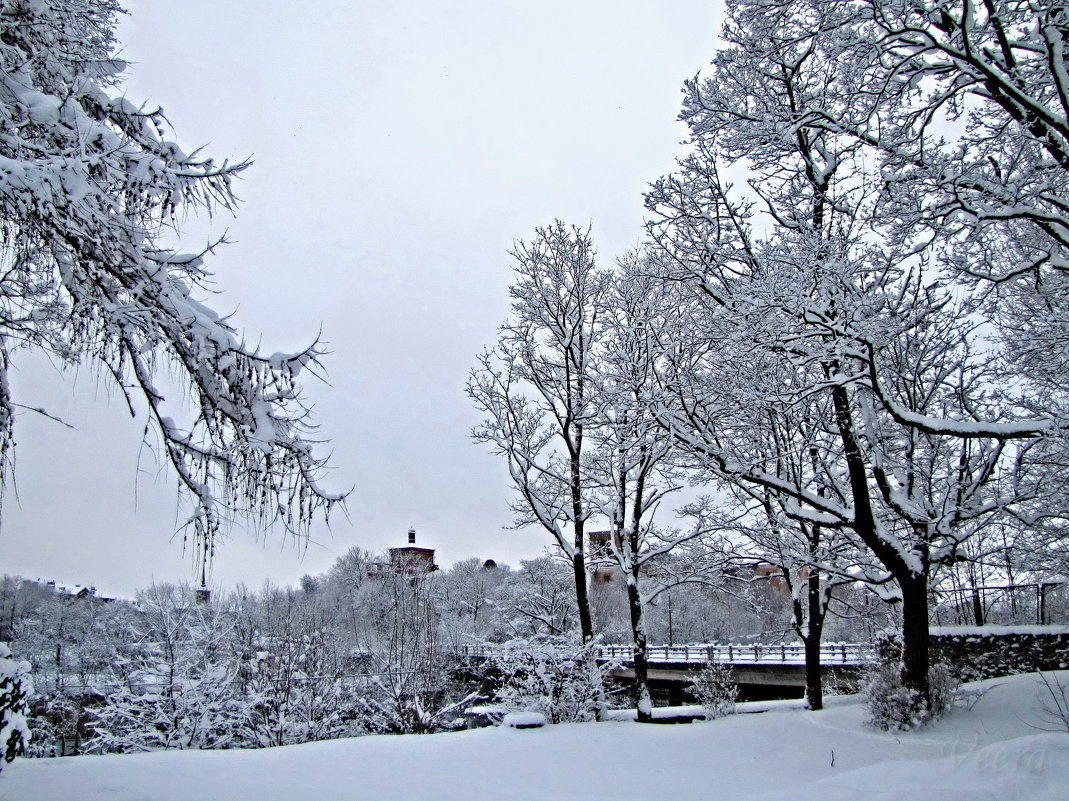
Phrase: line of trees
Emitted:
{"points": [[848, 319], [364, 649], [359, 649], [345, 654]]}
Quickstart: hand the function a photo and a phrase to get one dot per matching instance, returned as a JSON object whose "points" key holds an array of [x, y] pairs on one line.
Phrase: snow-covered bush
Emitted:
{"points": [[293, 690], [714, 688], [177, 689], [392, 704], [893, 706], [156, 711], [555, 676], [15, 689], [890, 703], [61, 722]]}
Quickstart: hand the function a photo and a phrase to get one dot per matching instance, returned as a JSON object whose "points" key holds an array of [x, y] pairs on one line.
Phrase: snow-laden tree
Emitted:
{"points": [[805, 287], [539, 392], [993, 187], [291, 671], [566, 394], [409, 688], [539, 600], [91, 189], [470, 602], [969, 116], [634, 458], [749, 394], [812, 559]]}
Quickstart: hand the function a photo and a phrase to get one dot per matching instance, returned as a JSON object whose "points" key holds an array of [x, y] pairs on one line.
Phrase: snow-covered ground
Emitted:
{"points": [[996, 751]]}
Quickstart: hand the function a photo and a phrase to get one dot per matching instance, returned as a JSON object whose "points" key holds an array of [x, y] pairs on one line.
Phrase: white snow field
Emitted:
{"points": [[998, 751]]}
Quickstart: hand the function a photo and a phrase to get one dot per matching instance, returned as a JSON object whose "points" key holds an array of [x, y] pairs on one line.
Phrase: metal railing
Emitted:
{"points": [[731, 654]]}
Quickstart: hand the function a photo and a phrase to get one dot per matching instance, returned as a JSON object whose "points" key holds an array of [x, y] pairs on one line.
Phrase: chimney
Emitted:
{"points": [[411, 536]]}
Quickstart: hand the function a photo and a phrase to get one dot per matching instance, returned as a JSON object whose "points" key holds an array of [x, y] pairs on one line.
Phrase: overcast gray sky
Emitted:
{"points": [[400, 147]]}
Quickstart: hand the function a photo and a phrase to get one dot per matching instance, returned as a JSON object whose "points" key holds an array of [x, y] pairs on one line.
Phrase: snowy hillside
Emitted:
{"points": [[997, 751]]}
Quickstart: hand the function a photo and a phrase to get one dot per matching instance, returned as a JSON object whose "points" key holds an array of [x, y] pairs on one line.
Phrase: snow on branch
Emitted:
{"points": [[88, 185]]}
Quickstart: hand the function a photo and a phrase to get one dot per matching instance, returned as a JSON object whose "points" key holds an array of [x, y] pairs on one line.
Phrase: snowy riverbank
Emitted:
{"points": [[995, 752]]}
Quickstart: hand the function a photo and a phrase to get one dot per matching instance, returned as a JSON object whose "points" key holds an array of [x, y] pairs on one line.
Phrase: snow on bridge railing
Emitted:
{"points": [[732, 654], [783, 654]]}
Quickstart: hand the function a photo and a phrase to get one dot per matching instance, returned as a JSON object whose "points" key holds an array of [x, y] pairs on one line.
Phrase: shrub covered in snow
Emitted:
{"points": [[15, 689], [61, 722], [555, 676], [894, 706], [715, 689], [424, 702]]}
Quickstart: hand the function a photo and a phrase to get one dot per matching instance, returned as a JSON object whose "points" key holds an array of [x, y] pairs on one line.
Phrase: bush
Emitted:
{"points": [[423, 702], [714, 688], [557, 677], [61, 724], [893, 706]]}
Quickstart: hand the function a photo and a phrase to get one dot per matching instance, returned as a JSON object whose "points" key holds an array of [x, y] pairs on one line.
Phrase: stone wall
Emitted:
{"points": [[982, 652]]}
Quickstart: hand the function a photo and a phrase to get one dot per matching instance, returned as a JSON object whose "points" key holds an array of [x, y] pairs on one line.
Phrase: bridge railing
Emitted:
{"points": [[730, 654]]}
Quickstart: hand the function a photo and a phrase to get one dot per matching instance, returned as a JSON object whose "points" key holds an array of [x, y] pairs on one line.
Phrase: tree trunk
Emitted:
{"points": [[977, 607], [643, 703], [582, 596], [582, 599], [814, 684], [914, 586], [915, 659]]}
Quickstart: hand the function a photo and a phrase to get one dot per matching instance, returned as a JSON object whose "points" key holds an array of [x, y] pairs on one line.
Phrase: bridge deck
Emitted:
{"points": [[697, 655]]}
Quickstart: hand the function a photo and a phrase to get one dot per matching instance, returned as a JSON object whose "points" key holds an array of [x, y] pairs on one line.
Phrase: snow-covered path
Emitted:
{"points": [[993, 752]]}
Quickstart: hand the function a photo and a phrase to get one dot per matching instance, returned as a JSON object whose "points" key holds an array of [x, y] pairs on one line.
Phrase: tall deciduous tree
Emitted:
{"points": [[90, 188], [539, 391], [634, 457], [828, 295]]}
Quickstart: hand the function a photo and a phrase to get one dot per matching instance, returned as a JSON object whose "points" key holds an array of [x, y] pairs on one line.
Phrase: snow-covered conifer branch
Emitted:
{"points": [[89, 186]]}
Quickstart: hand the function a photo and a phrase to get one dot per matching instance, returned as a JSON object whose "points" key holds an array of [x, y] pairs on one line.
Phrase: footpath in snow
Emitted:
{"points": [[998, 751]]}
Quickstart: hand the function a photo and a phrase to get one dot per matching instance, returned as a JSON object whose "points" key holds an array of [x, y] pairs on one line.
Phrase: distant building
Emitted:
{"points": [[407, 561], [599, 556], [72, 590], [771, 575]]}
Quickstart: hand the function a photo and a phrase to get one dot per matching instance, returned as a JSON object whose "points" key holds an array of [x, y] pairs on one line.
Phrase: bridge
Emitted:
{"points": [[781, 665]]}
